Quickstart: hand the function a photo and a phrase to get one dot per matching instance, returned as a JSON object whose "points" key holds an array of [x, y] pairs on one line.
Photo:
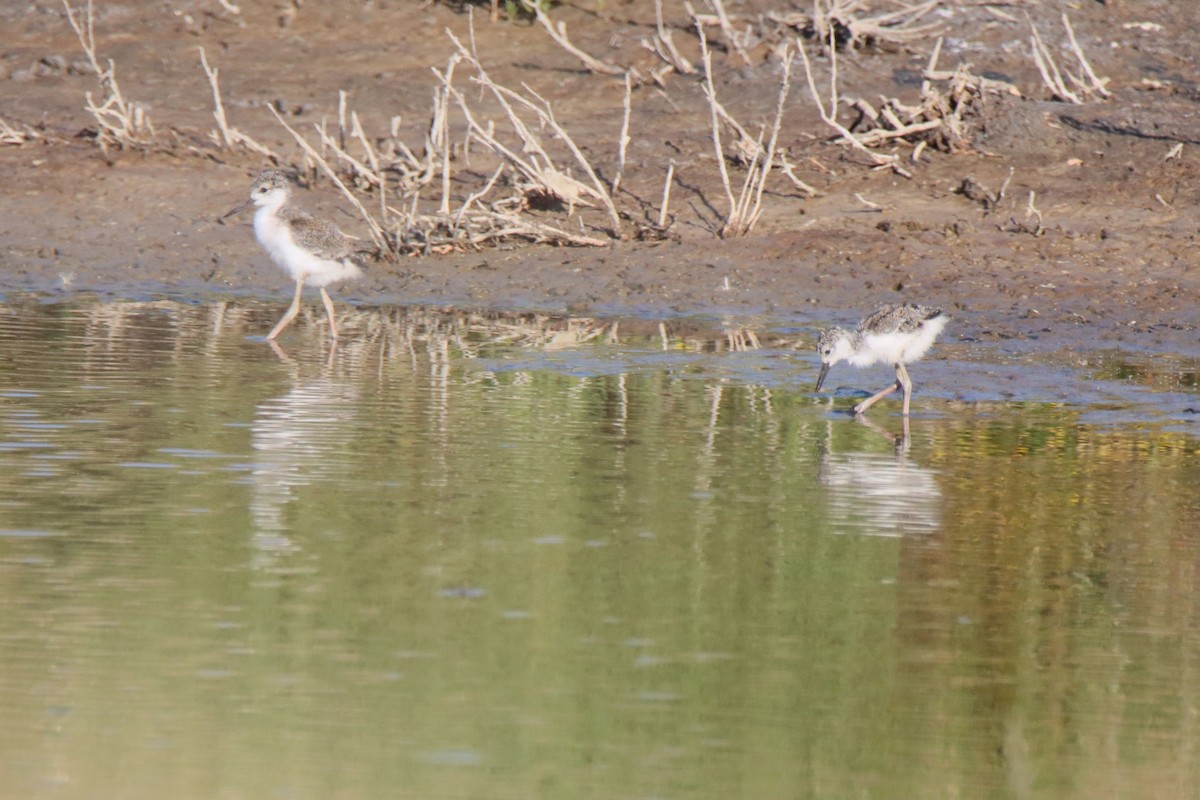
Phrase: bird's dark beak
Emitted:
{"points": [[821, 377], [236, 210]]}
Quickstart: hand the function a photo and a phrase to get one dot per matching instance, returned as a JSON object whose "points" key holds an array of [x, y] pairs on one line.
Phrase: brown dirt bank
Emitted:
{"points": [[1111, 264]]}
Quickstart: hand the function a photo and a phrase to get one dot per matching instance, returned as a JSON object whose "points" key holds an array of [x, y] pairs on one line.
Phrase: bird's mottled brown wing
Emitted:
{"points": [[898, 318], [317, 236], [879, 320], [917, 315]]}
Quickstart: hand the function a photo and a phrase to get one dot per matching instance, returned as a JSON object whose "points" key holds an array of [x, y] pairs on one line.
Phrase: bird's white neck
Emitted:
{"points": [[271, 202], [272, 232]]}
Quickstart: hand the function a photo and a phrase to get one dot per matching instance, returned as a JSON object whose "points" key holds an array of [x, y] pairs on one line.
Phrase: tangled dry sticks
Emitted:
{"points": [[17, 134], [121, 122], [495, 163], [943, 118], [527, 169]]}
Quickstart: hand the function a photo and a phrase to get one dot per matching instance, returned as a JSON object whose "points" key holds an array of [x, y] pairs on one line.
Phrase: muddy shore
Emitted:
{"points": [[1108, 263]]}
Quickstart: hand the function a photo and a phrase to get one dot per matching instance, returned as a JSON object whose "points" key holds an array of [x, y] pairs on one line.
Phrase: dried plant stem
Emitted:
{"points": [[1032, 211], [745, 208], [790, 171], [710, 92], [844, 18], [121, 122], [727, 28], [538, 166], [218, 106], [1004, 186], [442, 119], [559, 34], [623, 141], [663, 44], [547, 115], [931, 66], [342, 118], [1052, 76], [1048, 68], [830, 115], [11, 134], [745, 140], [474, 196], [356, 130], [1098, 85], [229, 137], [747, 218], [666, 196], [357, 167]]}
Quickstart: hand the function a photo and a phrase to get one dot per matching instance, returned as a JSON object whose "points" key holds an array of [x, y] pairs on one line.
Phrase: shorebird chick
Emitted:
{"points": [[896, 334], [313, 251]]}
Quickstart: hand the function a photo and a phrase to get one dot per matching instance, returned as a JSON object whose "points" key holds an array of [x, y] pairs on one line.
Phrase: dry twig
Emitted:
{"points": [[559, 34], [727, 28], [710, 92], [226, 136], [623, 140], [1032, 224], [663, 213], [1052, 76], [844, 23], [121, 122], [12, 134], [829, 115], [533, 161], [1095, 84], [749, 205], [477, 223], [943, 118], [745, 208], [664, 46]]}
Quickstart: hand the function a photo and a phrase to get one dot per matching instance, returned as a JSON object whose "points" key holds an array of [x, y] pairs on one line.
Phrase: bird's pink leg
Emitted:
{"points": [[905, 384], [329, 312], [870, 401], [290, 314]]}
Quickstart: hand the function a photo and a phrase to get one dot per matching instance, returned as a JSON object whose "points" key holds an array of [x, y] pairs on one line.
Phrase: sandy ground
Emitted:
{"points": [[1110, 266]]}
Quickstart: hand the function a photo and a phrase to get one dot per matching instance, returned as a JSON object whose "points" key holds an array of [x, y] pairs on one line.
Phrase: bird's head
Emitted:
{"points": [[270, 188], [833, 345]]}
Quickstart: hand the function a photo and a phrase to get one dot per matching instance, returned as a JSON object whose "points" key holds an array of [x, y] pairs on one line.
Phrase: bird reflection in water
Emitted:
{"points": [[298, 440], [881, 494]]}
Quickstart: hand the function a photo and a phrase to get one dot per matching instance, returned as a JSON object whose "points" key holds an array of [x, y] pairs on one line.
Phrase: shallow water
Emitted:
{"points": [[513, 556]]}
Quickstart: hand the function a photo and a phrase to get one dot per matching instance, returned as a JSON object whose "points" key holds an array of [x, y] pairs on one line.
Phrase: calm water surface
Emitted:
{"points": [[513, 557]]}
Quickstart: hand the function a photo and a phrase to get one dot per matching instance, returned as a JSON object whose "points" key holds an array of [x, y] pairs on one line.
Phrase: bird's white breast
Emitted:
{"points": [[276, 238]]}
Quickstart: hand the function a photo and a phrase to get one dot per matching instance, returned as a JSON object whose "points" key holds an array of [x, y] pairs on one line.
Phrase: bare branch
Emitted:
{"points": [[559, 34], [666, 196], [711, 92], [829, 115], [538, 167], [13, 135], [663, 45], [120, 122], [229, 137], [1048, 67], [727, 29], [1098, 85], [623, 140]]}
